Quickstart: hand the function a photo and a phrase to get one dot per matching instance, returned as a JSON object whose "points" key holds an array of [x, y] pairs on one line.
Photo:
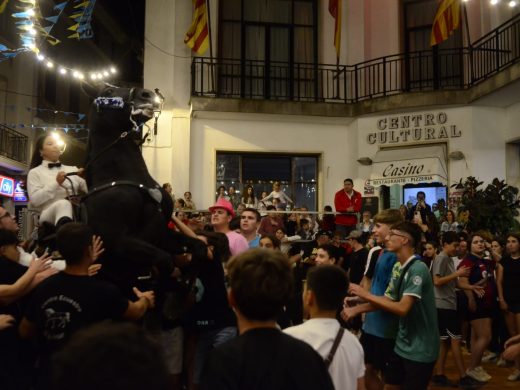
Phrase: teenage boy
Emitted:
{"points": [[445, 279], [410, 296], [323, 294], [262, 357], [72, 300], [222, 213], [380, 327], [249, 223]]}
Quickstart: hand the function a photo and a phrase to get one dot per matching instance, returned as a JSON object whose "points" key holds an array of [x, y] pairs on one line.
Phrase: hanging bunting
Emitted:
{"points": [[82, 18]]}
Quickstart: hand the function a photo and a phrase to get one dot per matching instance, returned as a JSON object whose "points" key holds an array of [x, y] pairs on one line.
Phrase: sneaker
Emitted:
{"points": [[515, 376], [467, 382], [476, 375], [501, 362], [483, 373], [490, 357]]}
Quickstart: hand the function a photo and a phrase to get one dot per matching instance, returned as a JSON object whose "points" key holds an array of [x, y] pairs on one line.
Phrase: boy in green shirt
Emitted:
{"points": [[410, 295]]}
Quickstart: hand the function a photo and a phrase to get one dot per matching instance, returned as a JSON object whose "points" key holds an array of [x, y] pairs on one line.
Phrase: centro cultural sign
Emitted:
{"points": [[415, 127]]}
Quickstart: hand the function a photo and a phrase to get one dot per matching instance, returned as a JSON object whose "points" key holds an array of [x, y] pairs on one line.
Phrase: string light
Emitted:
{"points": [[494, 2], [512, 4], [29, 42]]}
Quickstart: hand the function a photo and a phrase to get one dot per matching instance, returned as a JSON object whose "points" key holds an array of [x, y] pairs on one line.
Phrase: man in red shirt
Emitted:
{"points": [[347, 200]]}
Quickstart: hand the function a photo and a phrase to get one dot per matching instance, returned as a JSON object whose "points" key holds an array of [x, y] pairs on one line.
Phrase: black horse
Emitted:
{"points": [[125, 205]]}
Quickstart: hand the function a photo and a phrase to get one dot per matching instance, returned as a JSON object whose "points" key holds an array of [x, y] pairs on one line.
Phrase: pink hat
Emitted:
{"points": [[223, 204]]}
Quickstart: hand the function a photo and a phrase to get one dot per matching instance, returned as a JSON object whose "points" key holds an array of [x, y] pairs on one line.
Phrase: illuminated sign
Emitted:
{"points": [[19, 192], [6, 186]]}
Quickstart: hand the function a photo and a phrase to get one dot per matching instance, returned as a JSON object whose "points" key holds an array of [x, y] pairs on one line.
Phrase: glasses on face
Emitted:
{"points": [[7, 214], [394, 233]]}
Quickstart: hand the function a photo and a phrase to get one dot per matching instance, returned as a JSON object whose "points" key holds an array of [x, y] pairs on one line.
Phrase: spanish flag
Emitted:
{"points": [[447, 20], [197, 38], [335, 11]]}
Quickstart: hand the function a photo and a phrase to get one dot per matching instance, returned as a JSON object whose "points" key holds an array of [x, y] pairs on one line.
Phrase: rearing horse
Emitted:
{"points": [[125, 205]]}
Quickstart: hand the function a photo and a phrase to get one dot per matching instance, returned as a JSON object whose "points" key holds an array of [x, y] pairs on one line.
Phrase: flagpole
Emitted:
{"points": [[210, 47], [468, 39]]}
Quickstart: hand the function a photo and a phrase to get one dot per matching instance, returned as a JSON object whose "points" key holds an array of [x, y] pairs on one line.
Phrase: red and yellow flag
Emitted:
{"points": [[335, 11], [447, 20], [197, 38]]}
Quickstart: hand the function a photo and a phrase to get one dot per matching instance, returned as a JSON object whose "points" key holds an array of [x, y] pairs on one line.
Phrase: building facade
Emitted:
{"points": [[391, 112]]}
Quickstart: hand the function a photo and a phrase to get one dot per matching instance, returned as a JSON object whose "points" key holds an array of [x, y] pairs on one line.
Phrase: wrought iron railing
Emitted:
{"points": [[427, 70], [13, 144]]}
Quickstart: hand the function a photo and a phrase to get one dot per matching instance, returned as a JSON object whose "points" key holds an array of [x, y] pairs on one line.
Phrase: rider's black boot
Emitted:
{"points": [[62, 221]]}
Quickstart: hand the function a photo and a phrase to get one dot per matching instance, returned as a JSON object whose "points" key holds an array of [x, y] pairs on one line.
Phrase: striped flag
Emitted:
{"points": [[197, 38], [335, 11], [447, 20]]}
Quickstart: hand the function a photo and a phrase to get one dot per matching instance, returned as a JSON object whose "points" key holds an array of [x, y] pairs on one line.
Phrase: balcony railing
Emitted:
{"points": [[13, 144], [427, 70]]}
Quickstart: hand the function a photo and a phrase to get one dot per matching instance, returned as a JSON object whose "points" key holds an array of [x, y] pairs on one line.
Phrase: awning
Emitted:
{"points": [[409, 166]]}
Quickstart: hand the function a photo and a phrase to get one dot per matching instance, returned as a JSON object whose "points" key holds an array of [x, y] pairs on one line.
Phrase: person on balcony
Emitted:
{"points": [[48, 185]]}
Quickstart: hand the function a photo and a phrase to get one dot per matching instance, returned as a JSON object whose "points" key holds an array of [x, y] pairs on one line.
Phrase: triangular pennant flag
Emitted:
{"points": [[84, 4], [81, 117], [10, 55], [76, 35], [61, 6], [53, 41], [22, 22], [53, 19], [3, 5], [76, 16], [74, 27], [3, 48], [21, 15], [47, 29]]}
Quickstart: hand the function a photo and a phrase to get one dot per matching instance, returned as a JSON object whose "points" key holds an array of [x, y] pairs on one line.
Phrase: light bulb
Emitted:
{"points": [[75, 74], [40, 57], [493, 2], [113, 70], [49, 64], [100, 76], [81, 76], [106, 74], [32, 31], [512, 4], [93, 76], [63, 71], [30, 12]]}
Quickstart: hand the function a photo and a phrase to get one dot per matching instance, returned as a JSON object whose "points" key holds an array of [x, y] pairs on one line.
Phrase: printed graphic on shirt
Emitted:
{"points": [[56, 322]]}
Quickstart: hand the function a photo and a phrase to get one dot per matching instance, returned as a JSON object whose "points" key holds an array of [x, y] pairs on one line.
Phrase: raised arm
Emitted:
{"points": [[11, 292]]}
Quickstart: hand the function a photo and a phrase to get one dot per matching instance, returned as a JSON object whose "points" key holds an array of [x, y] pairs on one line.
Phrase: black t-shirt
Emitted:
{"points": [[358, 262], [510, 279], [211, 309], [64, 303], [265, 359], [10, 272], [372, 263], [340, 253]]}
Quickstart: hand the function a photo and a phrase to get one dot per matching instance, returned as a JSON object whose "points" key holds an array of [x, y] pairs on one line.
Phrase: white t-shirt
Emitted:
{"points": [[348, 364]]}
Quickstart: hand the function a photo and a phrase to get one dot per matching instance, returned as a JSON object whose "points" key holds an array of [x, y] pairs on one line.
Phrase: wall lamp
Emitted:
{"points": [[365, 161], [456, 155]]}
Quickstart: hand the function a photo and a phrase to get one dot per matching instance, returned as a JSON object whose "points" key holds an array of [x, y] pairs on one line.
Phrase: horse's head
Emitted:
{"points": [[117, 109]]}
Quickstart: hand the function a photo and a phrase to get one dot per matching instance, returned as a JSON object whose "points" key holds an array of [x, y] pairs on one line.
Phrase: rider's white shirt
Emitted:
{"points": [[43, 188]]}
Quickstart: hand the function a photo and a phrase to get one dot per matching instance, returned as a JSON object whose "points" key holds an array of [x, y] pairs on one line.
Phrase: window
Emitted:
{"points": [[296, 174], [428, 66], [260, 43]]}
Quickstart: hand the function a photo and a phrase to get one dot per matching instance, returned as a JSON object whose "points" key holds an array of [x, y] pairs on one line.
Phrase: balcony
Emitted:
{"points": [[433, 70], [13, 146]]}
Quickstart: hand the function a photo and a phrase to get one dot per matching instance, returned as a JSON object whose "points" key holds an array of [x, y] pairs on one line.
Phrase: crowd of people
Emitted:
{"points": [[262, 298]]}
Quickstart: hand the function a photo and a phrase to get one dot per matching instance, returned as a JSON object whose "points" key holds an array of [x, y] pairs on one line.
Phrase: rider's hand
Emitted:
{"points": [[60, 177]]}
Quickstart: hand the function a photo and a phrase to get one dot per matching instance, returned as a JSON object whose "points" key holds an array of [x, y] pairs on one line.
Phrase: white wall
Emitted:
{"points": [[331, 140]]}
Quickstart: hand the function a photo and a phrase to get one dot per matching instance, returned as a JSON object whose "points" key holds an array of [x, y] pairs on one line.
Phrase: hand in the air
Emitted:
{"points": [[6, 321], [97, 247]]}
